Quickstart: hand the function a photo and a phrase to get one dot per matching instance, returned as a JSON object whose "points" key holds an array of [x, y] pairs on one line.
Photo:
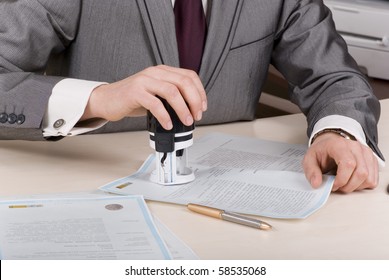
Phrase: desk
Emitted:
{"points": [[353, 226]]}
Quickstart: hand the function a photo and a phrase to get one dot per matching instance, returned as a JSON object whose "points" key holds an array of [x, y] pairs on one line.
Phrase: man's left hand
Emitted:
{"points": [[355, 164]]}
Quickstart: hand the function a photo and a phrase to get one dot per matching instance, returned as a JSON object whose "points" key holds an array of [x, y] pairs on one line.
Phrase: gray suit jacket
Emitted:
{"points": [[109, 40]]}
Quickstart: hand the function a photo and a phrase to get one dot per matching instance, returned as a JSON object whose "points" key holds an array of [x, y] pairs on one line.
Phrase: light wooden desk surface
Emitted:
{"points": [[353, 226]]}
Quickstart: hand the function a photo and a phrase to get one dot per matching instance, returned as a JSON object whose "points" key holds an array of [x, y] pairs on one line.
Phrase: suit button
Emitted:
{"points": [[59, 123], [12, 118], [3, 117], [21, 119]]}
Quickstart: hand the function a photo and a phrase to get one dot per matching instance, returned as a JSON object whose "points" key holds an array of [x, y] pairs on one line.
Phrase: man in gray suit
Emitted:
{"points": [[96, 66]]}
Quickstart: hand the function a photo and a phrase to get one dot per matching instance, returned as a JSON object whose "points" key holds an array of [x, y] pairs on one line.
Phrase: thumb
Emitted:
{"points": [[312, 170]]}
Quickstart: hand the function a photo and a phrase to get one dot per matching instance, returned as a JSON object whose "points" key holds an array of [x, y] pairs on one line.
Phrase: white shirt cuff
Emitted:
{"points": [[347, 124], [66, 106]]}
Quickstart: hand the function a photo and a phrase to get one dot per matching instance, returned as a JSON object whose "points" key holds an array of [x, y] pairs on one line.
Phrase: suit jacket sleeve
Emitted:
{"points": [[30, 32], [323, 78]]}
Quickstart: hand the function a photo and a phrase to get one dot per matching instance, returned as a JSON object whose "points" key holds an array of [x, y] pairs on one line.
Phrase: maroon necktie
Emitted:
{"points": [[191, 31]]}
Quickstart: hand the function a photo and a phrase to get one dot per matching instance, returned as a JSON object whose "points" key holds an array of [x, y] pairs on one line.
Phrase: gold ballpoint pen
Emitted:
{"points": [[228, 216]]}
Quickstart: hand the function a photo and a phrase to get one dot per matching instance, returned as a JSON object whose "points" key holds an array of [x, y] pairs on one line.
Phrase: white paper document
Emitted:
{"points": [[79, 228], [178, 249], [245, 175]]}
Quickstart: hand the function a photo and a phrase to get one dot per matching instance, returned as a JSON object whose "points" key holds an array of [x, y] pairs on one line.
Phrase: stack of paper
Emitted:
{"points": [[85, 227], [245, 175]]}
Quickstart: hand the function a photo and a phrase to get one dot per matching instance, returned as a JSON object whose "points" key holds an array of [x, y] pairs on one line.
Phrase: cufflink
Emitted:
{"points": [[58, 123]]}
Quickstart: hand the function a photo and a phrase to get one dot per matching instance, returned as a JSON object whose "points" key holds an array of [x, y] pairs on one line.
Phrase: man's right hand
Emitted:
{"points": [[133, 96]]}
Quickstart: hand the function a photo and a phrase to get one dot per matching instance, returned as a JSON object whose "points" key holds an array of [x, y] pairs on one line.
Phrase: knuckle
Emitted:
{"points": [[162, 68], [186, 81], [141, 77], [192, 74], [171, 91], [349, 164], [362, 173], [149, 70]]}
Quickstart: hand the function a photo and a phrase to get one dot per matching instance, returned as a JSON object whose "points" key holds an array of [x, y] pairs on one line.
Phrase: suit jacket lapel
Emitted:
{"points": [[223, 15], [158, 17], [223, 18]]}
